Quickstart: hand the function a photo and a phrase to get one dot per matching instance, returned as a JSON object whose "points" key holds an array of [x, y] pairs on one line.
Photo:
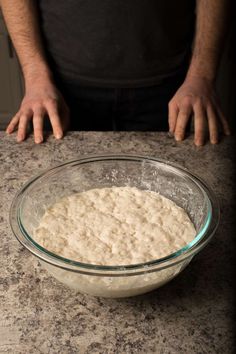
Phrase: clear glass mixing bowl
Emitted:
{"points": [[166, 178]]}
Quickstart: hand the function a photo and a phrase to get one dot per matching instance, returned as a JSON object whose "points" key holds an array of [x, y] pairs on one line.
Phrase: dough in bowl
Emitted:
{"points": [[114, 226]]}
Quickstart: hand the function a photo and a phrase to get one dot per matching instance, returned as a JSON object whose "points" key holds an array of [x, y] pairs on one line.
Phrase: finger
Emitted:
{"points": [[22, 127], [173, 113], [182, 121], [13, 123], [213, 125], [200, 124], [224, 122], [38, 125], [55, 120]]}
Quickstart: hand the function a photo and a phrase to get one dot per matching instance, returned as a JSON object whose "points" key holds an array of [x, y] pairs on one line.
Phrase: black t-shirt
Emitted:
{"points": [[117, 43]]}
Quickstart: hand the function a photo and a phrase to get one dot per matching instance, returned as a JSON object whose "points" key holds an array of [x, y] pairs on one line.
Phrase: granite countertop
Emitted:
{"points": [[191, 314]]}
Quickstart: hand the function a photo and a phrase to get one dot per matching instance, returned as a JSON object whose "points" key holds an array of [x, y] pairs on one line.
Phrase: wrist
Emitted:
{"points": [[37, 73], [205, 68], [197, 76], [201, 74]]}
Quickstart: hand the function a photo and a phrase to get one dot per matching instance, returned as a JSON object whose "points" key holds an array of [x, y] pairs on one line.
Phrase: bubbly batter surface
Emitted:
{"points": [[114, 226]]}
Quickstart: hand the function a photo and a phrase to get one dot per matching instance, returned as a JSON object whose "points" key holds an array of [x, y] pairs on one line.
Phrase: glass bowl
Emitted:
{"points": [[166, 178]]}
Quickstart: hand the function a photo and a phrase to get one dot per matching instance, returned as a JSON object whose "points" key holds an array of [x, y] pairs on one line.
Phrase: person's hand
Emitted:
{"points": [[197, 97], [41, 99]]}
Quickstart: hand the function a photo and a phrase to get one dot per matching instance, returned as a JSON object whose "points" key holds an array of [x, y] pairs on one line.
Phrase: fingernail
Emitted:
{"points": [[170, 134], [214, 142], [38, 140], [198, 143], [58, 135]]}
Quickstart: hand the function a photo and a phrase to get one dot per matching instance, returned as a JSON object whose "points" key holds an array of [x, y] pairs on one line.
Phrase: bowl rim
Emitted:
{"points": [[201, 239]]}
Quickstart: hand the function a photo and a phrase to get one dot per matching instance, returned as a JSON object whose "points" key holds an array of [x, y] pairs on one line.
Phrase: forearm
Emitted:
{"points": [[211, 28], [22, 23]]}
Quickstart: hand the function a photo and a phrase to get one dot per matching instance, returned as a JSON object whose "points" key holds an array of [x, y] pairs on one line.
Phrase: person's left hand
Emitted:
{"points": [[197, 97]]}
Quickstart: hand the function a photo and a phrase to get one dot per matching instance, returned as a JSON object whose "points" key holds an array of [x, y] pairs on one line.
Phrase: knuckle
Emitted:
{"points": [[187, 101], [37, 105], [21, 129], [199, 102], [180, 127], [199, 115], [27, 103], [51, 101], [184, 111], [38, 111], [179, 130], [185, 108], [25, 109], [213, 132], [24, 116], [172, 104], [199, 134]]}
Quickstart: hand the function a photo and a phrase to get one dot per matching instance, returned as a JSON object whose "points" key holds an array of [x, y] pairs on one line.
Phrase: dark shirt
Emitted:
{"points": [[117, 43]]}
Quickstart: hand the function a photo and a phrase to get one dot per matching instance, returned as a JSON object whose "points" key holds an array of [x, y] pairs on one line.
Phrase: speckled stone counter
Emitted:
{"points": [[191, 314]]}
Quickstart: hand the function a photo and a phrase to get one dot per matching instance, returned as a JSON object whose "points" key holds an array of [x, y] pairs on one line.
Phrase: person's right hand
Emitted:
{"points": [[41, 99]]}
